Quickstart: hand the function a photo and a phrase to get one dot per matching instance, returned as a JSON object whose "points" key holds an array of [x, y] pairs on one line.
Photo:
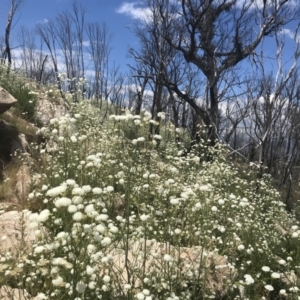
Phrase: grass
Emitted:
{"points": [[15, 84], [7, 186], [119, 214]]}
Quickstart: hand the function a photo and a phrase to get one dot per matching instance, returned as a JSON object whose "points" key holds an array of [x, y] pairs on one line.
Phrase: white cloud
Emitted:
{"points": [[133, 10], [43, 21], [260, 3], [290, 34]]}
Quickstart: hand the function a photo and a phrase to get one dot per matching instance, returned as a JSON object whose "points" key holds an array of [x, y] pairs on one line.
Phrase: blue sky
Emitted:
{"points": [[117, 14]]}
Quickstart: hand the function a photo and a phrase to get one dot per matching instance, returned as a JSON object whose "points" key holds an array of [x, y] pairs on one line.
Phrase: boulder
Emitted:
{"points": [[6, 100], [15, 232], [23, 183], [9, 293], [47, 109], [216, 268]]}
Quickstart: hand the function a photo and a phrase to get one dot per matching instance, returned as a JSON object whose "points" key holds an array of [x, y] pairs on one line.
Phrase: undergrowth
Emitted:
{"points": [[118, 213]]}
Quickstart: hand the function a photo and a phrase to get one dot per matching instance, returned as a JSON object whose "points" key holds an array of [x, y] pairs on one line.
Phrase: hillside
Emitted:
{"points": [[113, 213]]}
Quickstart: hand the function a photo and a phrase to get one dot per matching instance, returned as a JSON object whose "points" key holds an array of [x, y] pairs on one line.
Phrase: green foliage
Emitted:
{"points": [[124, 215], [15, 84]]}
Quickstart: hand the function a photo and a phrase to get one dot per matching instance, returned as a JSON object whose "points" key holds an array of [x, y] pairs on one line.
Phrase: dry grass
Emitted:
{"points": [[21, 125], [8, 186]]}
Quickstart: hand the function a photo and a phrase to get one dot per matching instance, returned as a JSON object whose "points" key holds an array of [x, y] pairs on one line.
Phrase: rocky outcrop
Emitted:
{"points": [[185, 260], [15, 232], [48, 109], [9, 293], [23, 184], [6, 100]]}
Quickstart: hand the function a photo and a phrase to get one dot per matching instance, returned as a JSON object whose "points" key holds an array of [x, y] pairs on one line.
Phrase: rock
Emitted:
{"points": [[8, 133], [214, 267], [15, 232], [9, 293], [48, 110], [6, 100], [11, 143], [23, 183], [19, 144]]}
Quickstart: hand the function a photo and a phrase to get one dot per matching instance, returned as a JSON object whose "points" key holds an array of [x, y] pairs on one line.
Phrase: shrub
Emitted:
{"points": [[15, 85], [120, 218]]}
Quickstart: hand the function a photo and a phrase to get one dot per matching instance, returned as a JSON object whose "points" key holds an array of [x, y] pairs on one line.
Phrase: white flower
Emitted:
{"points": [[294, 289], [140, 296], [44, 187], [58, 281], [109, 189], [104, 288], [87, 188], [90, 270], [241, 247], [162, 115], [205, 188], [146, 292], [214, 209], [102, 217], [269, 287], [106, 241], [72, 208], [282, 292], [70, 182], [157, 137], [89, 208], [80, 287], [54, 192], [73, 139], [168, 257], [43, 216], [221, 201], [41, 296], [113, 229], [64, 201], [39, 249], [177, 231], [62, 235], [266, 269], [282, 262], [77, 199], [127, 286], [248, 279], [97, 191], [92, 285], [106, 279], [275, 275], [144, 217], [295, 234], [77, 216], [78, 191], [174, 201], [91, 248], [100, 228], [147, 116]]}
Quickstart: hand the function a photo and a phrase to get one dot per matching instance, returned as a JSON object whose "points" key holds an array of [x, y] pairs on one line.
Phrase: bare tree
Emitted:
{"points": [[33, 59], [157, 62], [15, 6], [47, 33], [99, 48], [215, 36]]}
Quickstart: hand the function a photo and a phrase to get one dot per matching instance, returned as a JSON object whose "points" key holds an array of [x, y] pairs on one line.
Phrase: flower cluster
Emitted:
{"points": [[124, 215]]}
